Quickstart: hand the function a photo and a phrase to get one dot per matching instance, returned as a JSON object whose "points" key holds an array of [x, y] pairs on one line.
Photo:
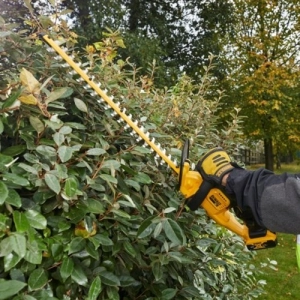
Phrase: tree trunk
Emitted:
{"points": [[269, 157]]}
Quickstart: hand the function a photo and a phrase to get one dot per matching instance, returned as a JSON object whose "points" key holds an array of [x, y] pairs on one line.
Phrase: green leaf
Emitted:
{"points": [[16, 179], [3, 192], [95, 289], [53, 183], [101, 239], [59, 93], [133, 184], [15, 242], [78, 275], [95, 151], [70, 187], [168, 294], [65, 130], [111, 165], [94, 206], [157, 270], [46, 151], [142, 178], [173, 232], [37, 124], [65, 153], [14, 150], [8, 288], [5, 247], [58, 138], [11, 99], [14, 199], [4, 160], [110, 279], [37, 279], [77, 244], [109, 178], [66, 268], [35, 219], [21, 221], [1, 127], [11, 260], [129, 249], [34, 256], [28, 168], [146, 228], [80, 105]]}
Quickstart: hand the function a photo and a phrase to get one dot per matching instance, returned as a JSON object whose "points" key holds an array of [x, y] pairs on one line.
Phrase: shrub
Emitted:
{"points": [[85, 210]]}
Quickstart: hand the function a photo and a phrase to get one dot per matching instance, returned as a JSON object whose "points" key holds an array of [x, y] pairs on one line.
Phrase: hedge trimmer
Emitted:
{"points": [[214, 201]]}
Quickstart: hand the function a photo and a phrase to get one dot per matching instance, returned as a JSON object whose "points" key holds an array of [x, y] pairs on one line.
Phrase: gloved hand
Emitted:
{"points": [[214, 165]]}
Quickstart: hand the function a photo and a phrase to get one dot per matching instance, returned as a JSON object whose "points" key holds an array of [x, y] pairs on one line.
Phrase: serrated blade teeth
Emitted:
{"points": [[86, 87], [57, 57], [130, 116], [147, 134], [153, 140], [124, 110], [126, 126], [93, 93], [113, 113], [79, 79], [64, 65]]}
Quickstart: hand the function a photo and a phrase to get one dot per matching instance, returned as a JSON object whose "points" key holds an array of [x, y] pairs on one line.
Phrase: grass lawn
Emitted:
{"points": [[282, 279]]}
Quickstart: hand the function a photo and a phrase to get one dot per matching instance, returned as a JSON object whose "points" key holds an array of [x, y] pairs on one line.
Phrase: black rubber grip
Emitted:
{"points": [[196, 200]]}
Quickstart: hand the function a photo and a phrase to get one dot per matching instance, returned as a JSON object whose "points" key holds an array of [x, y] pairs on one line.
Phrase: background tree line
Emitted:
{"points": [[255, 42]]}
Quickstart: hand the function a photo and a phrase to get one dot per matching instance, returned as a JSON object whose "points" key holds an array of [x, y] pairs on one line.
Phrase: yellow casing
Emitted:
{"points": [[217, 205]]}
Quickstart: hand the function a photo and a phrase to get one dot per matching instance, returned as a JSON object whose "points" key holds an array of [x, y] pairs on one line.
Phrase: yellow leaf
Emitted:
{"points": [[82, 231], [276, 105], [29, 81], [120, 43], [28, 99]]}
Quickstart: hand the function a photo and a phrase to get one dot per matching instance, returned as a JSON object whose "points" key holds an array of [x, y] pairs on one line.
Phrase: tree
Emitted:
{"points": [[85, 211], [264, 70], [177, 35]]}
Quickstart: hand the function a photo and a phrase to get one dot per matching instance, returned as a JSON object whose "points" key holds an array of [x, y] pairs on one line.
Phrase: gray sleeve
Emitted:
{"points": [[280, 205]]}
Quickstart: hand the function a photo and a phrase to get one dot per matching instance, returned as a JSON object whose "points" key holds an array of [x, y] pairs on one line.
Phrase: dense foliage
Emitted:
{"points": [[85, 210]]}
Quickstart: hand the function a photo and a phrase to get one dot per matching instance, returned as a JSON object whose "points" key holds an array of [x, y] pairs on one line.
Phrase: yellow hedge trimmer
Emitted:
{"points": [[214, 201]]}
